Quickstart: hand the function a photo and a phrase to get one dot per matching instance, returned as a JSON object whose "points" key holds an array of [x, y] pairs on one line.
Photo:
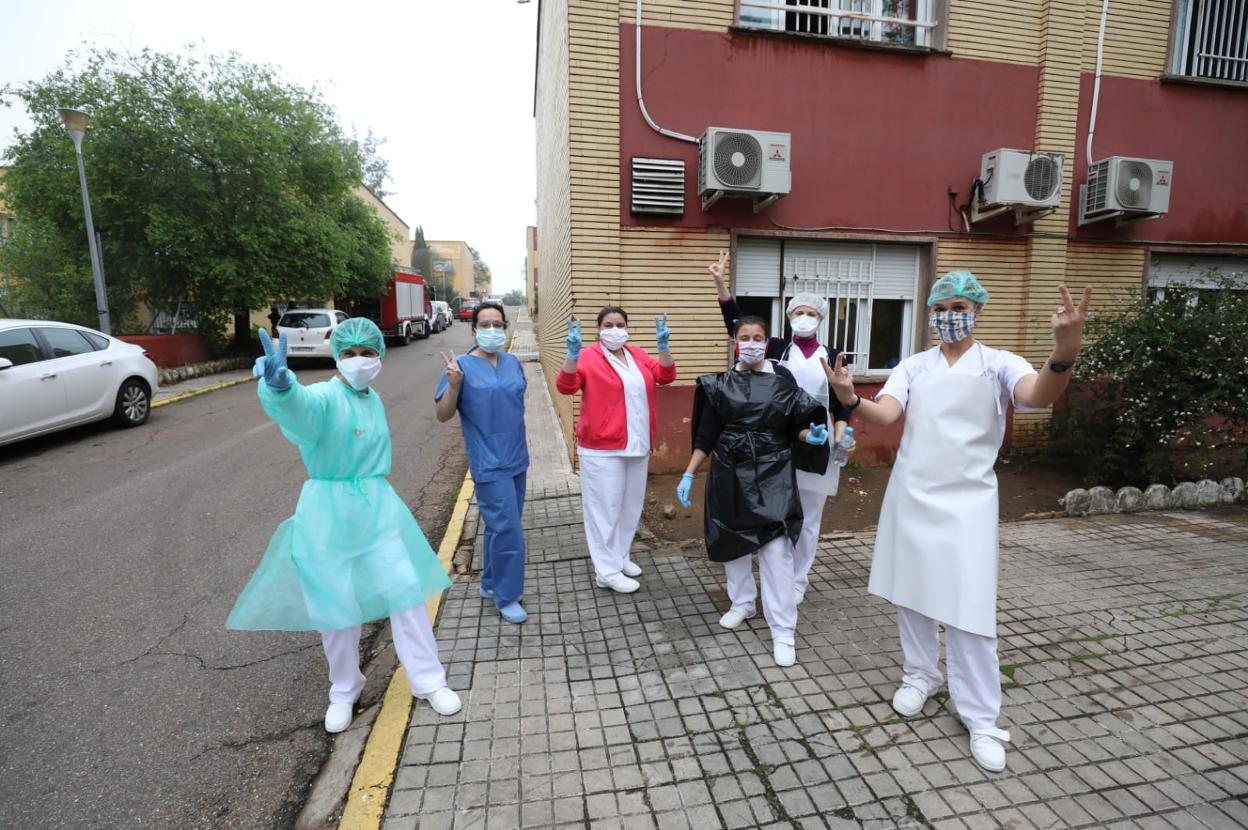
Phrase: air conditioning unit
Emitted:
{"points": [[1021, 178], [1126, 189], [743, 164]]}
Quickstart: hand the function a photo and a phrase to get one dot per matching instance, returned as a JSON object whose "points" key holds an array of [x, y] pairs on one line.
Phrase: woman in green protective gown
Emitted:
{"points": [[352, 553]]}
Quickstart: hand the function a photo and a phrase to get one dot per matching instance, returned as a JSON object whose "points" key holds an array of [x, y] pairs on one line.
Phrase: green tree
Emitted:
{"points": [[374, 168], [514, 297], [214, 183], [1159, 395]]}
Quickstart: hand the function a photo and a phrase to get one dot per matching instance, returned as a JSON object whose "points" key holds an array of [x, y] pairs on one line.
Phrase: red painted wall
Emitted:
{"points": [[877, 136], [170, 350], [1203, 130]]}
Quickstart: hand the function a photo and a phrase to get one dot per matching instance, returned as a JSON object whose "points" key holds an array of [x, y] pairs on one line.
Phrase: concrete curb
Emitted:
{"points": [[177, 374], [370, 787], [195, 393]]}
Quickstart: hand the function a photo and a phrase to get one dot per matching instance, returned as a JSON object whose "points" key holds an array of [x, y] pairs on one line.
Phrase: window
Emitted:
{"points": [[304, 320], [98, 341], [870, 290], [899, 22], [1211, 40], [1202, 273], [18, 346], [342, 318], [65, 342]]}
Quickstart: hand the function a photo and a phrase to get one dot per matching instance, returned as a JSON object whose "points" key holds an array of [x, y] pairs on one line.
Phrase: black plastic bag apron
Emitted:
{"points": [[751, 490]]}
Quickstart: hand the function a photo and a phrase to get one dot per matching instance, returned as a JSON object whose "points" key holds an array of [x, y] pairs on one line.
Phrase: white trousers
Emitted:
{"points": [[813, 502], [613, 492], [974, 672], [413, 642], [775, 564]]}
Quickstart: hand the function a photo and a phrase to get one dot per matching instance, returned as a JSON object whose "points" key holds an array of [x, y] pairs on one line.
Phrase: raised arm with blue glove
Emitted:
{"points": [[662, 333], [817, 435], [684, 489], [574, 338], [272, 367]]}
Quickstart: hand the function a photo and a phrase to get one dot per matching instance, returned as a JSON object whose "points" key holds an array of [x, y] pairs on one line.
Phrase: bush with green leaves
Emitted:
{"points": [[1160, 393]]}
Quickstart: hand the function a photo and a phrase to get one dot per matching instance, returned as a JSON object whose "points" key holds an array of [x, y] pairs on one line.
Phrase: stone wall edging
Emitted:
{"points": [[1187, 495]]}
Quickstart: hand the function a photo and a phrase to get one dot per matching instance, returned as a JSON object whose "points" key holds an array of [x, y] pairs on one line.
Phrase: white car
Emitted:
{"points": [[441, 316], [307, 331], [58, 375]]}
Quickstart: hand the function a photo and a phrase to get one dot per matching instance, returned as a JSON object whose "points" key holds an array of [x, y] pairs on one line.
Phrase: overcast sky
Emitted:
{"points": [[448, 83]]}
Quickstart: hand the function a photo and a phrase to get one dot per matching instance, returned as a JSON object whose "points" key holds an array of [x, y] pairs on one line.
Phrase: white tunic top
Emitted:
{"points": [[1004, 369], [636, 407]]}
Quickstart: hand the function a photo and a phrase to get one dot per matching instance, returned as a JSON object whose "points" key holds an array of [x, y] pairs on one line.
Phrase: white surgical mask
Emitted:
{"points": [[491, 340], [952, 326], [359, 371], [751, 351], [613, 338], [804, 325]]}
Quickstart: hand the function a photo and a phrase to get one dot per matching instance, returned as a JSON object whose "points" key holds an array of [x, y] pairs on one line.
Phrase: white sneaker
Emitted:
{"points": [[631, 568], [444, 701], [799, 593], [909, 698], [736, 615], [988, 748], [339, 716], [785, 654], [618, 583]]}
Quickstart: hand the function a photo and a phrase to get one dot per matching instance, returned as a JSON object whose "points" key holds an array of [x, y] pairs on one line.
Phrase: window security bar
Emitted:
{"points": [[838, 13], [850, 290], [1213, 39]]}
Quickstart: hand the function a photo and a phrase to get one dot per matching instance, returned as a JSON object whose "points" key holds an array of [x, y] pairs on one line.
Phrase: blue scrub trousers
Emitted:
{"points": [[501, 502]]}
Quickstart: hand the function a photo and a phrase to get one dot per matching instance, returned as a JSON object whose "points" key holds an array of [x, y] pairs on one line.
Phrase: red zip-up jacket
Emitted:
{"points": [[603, 424]]}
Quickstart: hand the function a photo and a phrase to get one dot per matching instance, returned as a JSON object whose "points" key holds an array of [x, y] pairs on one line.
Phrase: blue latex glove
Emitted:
{"points": [[818, 435], [574, 338], [684, 489], [662, 333], [272, 367]]}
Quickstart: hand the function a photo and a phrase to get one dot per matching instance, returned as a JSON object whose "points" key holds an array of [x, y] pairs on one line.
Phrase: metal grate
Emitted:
{"points": [[1211, 39], [1135, 184], [738, 160], [903, 22], [1042, 178], [658, 186], [1097, 197]]}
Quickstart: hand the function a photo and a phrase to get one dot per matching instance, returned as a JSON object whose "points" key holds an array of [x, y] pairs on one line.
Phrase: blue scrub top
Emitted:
{"points": [[491, 409]]}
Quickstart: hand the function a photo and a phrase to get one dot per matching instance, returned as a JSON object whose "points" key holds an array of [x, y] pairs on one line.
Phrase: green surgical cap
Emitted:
{"points": [[357, 331], [958, 284]]}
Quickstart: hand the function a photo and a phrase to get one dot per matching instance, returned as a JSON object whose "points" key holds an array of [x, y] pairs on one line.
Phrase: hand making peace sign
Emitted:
{"points": [[1068, 322], [454, 374], [840, 378], [717, 268]]}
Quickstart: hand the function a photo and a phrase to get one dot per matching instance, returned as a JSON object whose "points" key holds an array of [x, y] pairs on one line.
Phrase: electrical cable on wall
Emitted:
{"points": [[641, 101], [1096, 84]]}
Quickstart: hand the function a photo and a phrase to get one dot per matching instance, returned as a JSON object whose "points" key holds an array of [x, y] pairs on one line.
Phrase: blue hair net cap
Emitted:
{"points": [[958, 284], [357, 331]]}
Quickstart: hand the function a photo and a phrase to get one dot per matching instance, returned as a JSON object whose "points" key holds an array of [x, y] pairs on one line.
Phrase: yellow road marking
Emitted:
{"points": [[366, 800], [194, 393]]}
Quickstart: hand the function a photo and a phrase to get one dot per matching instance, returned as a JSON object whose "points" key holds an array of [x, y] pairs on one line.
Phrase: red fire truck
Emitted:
{"points": [[404, 312]]}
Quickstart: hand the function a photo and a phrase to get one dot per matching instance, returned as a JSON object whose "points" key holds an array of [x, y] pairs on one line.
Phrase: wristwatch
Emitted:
{"points": [[1058, 366], [855, 404]]}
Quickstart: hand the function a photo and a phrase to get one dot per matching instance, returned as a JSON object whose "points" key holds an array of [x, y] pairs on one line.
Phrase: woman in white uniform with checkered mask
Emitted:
{"points": [[936, 547]]}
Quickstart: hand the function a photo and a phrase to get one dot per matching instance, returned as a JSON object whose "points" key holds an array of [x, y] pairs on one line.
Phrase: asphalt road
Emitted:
{"points": [[125, 702]]}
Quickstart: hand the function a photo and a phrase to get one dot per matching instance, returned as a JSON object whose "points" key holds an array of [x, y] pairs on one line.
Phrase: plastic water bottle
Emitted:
{"points": [[840, 453]]}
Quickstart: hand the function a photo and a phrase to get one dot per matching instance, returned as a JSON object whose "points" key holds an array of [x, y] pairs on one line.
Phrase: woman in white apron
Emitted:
{"points": [[936, 548], [804, 356]]}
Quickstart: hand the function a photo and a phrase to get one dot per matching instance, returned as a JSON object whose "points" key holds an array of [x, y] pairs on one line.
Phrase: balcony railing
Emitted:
{"points": [[901, 22]]}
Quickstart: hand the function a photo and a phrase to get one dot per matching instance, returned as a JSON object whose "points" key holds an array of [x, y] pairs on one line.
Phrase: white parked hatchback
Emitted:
{"points": [[308, 329], [58, 375]]}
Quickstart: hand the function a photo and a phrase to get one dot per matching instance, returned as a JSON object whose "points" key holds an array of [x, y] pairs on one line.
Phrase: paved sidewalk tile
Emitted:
{"points": [[1124, 656]]}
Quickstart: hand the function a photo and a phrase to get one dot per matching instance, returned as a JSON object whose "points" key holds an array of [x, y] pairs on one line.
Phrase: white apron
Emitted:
{"points": [[936, 547], [810, 377]]}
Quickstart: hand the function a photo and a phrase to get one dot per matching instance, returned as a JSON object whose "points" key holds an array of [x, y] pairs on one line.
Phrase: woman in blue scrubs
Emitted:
{"points": [[486, 386]]}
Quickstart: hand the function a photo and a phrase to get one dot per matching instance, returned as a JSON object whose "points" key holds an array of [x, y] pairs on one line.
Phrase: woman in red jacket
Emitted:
{"points": [[614, 436]]}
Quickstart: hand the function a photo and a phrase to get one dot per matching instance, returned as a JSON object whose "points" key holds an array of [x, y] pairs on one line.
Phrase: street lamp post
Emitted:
{"points": [[76, 122]]}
